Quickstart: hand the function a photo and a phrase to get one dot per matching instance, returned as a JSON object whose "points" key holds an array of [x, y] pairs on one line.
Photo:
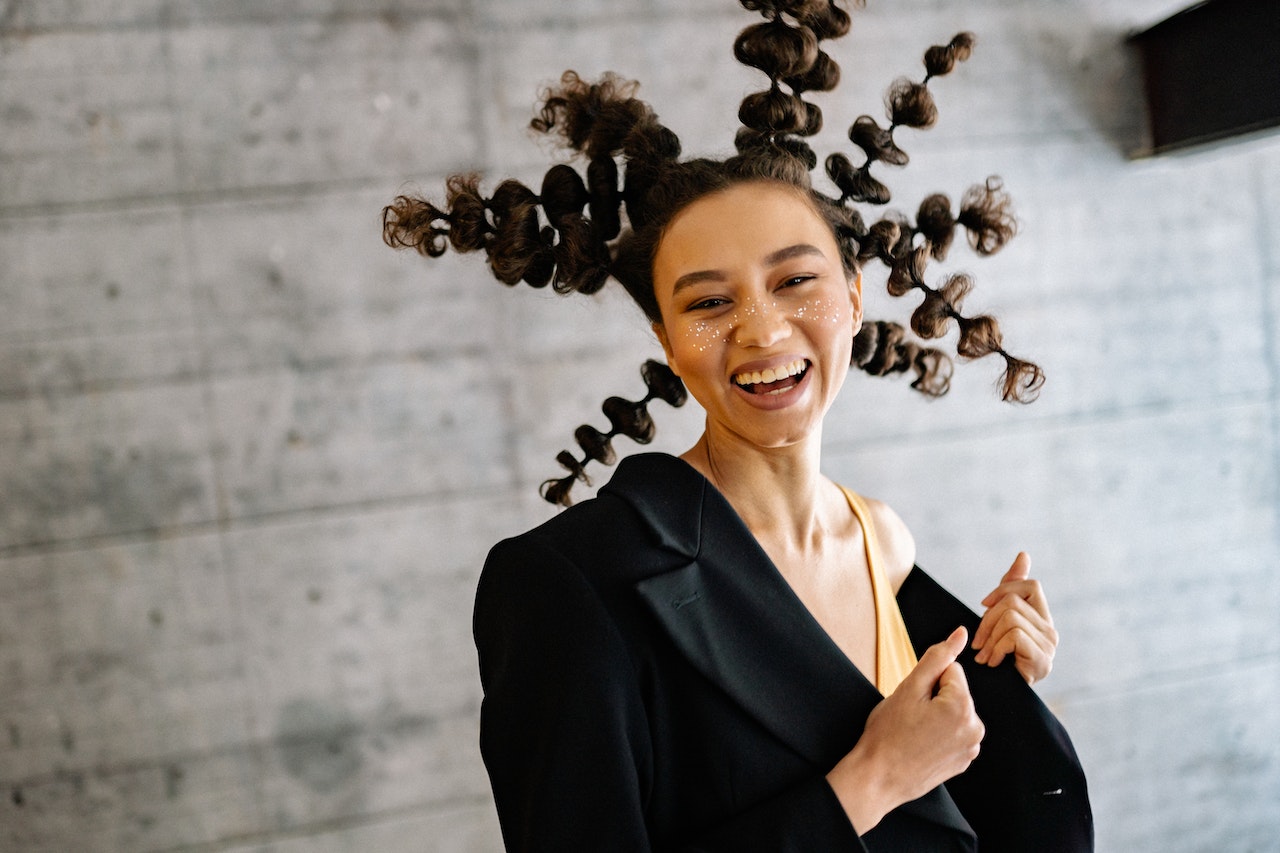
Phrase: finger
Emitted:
{"points": [[1019, 639], [1034, 666], [1039, 601], [1030, 591], [1019, 614], [1001, 648], [993, 616], [1021, 611], [922, 679], [983, 632], [1019, 571], [1033, 662], [1016, 615], [1034, 608], [1026, 597]]}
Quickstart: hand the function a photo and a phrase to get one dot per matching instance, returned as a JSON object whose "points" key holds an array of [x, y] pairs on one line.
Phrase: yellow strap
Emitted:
{"points": [[895, 657]]}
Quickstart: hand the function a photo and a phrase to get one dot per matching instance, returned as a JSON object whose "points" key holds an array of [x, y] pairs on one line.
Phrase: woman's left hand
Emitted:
{"points": [[1017, 622]]}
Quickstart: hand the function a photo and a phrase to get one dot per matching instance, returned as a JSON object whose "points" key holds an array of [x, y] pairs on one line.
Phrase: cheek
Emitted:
{"points": [[698, 338], [826, 314]]}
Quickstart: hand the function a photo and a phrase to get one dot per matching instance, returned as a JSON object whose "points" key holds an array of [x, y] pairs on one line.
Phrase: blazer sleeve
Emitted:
{"points": [[564, 732]]}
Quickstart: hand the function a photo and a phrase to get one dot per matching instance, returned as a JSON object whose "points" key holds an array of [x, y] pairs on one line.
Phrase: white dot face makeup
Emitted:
{"points": [[758, 313]]}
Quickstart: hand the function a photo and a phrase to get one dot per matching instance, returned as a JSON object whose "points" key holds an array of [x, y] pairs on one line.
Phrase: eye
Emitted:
{"points": [[709, 302], [795, 280]]}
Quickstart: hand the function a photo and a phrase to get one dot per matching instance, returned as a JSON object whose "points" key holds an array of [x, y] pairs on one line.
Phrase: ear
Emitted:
{"points": [[855, 297], [661, 334]]}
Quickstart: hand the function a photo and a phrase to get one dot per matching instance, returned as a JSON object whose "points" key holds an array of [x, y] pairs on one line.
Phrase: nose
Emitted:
{"points": [[760, 323]]}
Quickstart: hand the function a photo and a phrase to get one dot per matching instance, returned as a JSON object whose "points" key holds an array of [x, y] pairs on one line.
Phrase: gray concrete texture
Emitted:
{"points": [[251, 460]]}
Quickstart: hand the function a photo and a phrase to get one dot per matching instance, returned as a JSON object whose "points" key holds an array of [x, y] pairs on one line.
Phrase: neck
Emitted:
{"points": [[778, 492]]}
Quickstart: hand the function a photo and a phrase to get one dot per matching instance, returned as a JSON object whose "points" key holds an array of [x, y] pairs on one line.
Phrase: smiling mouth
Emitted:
{"points": [[775, 381]]}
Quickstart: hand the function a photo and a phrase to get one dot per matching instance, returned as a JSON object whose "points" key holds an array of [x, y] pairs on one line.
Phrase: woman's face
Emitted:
{"points": [[758, 315]]}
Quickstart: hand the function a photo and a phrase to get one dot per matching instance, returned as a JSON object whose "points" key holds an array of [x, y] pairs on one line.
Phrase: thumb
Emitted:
{"points": [[1020, 570], [934, 663], [952, 681]]}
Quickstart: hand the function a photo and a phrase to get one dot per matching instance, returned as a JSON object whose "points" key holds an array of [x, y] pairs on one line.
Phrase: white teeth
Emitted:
{"points": [[757, 377]]}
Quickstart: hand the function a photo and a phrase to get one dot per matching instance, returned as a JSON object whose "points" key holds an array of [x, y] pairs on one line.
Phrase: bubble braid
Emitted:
{"points": [[576, 233], [625, 418]]}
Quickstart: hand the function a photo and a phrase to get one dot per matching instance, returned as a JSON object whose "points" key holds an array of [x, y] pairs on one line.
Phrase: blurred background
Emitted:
{"points": [[251, 460]]}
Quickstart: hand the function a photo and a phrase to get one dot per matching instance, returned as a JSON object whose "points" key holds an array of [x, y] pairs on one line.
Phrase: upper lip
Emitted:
{"points": [[760, 365]]}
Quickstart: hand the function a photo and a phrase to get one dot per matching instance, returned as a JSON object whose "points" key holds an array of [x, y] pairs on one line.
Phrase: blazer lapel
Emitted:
{"points": [[734, 617]]}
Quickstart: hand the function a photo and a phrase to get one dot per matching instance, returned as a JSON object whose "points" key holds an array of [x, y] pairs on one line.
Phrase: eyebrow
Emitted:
{"points": [[770, 260]]}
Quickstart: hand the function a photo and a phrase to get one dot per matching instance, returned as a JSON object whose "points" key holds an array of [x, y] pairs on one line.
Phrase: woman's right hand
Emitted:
{"points": [[923, 734]]}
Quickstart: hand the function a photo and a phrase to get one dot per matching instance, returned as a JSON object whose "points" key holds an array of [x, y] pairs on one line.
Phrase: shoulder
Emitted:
{"points": [[551, 587], [897, 545], [600, 544], [579, 538]]}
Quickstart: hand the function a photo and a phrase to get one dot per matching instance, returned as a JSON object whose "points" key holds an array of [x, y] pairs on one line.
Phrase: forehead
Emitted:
{"points": [[736, 227]]}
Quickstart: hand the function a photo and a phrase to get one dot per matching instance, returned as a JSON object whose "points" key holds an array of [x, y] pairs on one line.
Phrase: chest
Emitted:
{"points": [[834, 585]]}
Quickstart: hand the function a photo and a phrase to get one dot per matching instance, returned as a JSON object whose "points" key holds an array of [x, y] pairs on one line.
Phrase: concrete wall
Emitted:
{"points": [[251, 460]]}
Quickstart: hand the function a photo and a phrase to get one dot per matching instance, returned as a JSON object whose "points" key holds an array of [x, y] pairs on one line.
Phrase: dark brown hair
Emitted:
{"points": [[635, 178]]}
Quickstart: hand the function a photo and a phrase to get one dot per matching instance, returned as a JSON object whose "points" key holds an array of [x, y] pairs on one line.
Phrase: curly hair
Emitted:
{"points": [[575, 234]]}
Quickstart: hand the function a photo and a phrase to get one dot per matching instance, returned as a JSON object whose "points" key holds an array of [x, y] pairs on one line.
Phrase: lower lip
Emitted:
{"points": [[771, 402]]}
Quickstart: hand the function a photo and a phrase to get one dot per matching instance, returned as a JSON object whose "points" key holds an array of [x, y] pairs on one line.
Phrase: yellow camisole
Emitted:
{"points": [[895, 657]]}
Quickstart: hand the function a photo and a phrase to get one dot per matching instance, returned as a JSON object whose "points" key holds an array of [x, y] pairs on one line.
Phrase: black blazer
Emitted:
{"points": [[651, 682]]}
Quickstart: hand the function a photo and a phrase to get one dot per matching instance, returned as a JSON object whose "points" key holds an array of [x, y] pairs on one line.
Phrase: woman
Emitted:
{"points": [[719, 651]]}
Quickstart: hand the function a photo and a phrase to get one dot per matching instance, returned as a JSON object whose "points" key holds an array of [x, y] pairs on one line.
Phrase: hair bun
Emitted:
{"points": [[563, 193], [941, 59], [776, 48]]}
